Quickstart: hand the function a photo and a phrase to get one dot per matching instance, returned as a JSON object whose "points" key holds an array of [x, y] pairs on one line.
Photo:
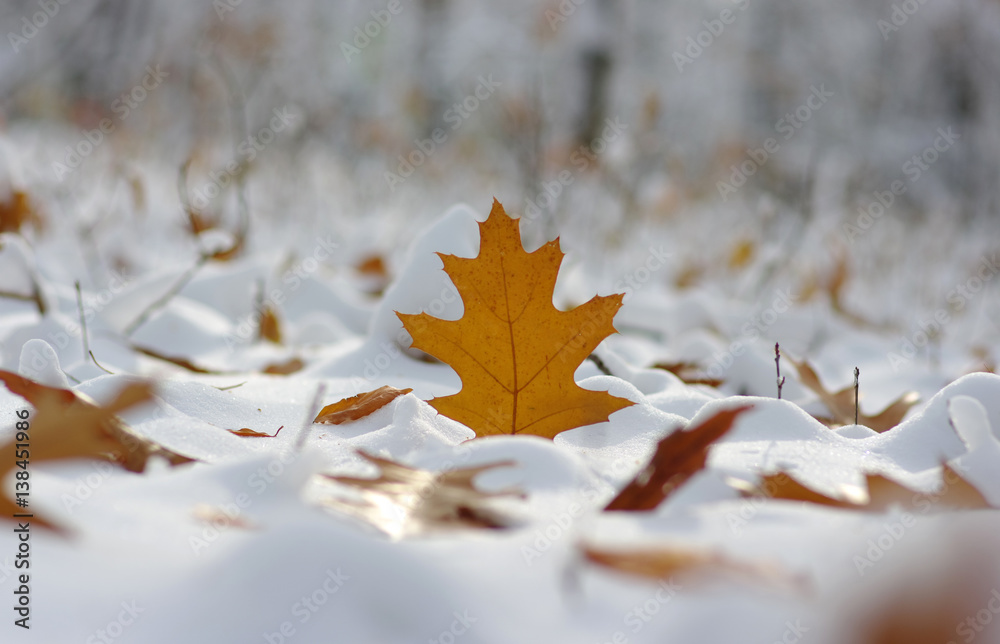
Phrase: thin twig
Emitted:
{"points": [[83, 330], [777, 368], [83, 320], [603, 368], [227, 388], [166, 297], [313, 411], [857, 373]]}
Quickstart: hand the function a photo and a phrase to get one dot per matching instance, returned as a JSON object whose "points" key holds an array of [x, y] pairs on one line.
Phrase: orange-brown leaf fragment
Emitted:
{"points": [[667, 561], [270, 326], [783, 486], [404, 500], [689, 373], [65, 426], [882, 493], [841, 403], [514, 351], [359, 406], [284, 368], [253, 433], [16, 212], [678, 457]]}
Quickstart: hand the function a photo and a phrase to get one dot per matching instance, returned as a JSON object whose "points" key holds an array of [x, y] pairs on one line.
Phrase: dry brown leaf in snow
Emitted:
{"points": [[672, 561], [404, 500], [678, 457], [359, 406], [841, 403], [284, 368], [880, 494], [66, 426], [252, 433], [270, 327]]}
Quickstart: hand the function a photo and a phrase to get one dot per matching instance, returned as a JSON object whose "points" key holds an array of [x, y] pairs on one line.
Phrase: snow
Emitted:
{"points": [[240, 545]]}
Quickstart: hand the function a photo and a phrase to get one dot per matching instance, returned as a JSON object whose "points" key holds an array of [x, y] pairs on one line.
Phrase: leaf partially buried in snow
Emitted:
{"points": [[881, 493], [66, 425], [678, 457], [514, 351], [673, 561], [405, 501], [358, 406], [841, 403]]}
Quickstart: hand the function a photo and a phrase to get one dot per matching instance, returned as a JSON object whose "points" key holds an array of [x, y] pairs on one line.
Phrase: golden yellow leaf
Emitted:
{"points": [[514, 351], [741, 254]]}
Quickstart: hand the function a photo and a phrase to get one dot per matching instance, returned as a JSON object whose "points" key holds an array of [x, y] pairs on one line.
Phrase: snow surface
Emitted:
{"points": [[141, 540]]}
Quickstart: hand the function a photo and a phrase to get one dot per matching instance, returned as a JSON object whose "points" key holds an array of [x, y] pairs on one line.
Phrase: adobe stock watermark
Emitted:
{"points": [[365, 34], [459, 627], [86, 485], [957, 298], [292, 280], [581, 158], [562, 12], [222, 7], [786, 126], [899, 16], [970, 627], [894, 530], [114, 628], [456, 115], [913, 168], [228, 514], [751, 332], [39, 19], [642, 614], [700, 42], [246, 151], [122, 107], [793, 632], [308, 605]]}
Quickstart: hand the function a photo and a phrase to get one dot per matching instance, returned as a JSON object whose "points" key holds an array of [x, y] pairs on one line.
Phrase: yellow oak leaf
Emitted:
{"points": [[514, 351]]}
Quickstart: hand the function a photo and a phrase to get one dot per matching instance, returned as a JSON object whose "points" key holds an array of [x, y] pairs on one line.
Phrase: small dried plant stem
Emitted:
{"points": [[777, 368], [166, 297], [857, 373], [83, 329]]}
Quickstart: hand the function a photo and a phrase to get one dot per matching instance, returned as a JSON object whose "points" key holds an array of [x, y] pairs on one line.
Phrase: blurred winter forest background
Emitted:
{"points": [[621, 116]]}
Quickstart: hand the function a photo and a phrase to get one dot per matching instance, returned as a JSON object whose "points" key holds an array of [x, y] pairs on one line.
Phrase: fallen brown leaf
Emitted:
{"points": [[65, 425], [358, 406], [284, 368], [18, 211], [841, 403], [678, 457], [252, 433], [270, 327], [669, 561], [404, 500], [689, 372], [881, 493]]}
